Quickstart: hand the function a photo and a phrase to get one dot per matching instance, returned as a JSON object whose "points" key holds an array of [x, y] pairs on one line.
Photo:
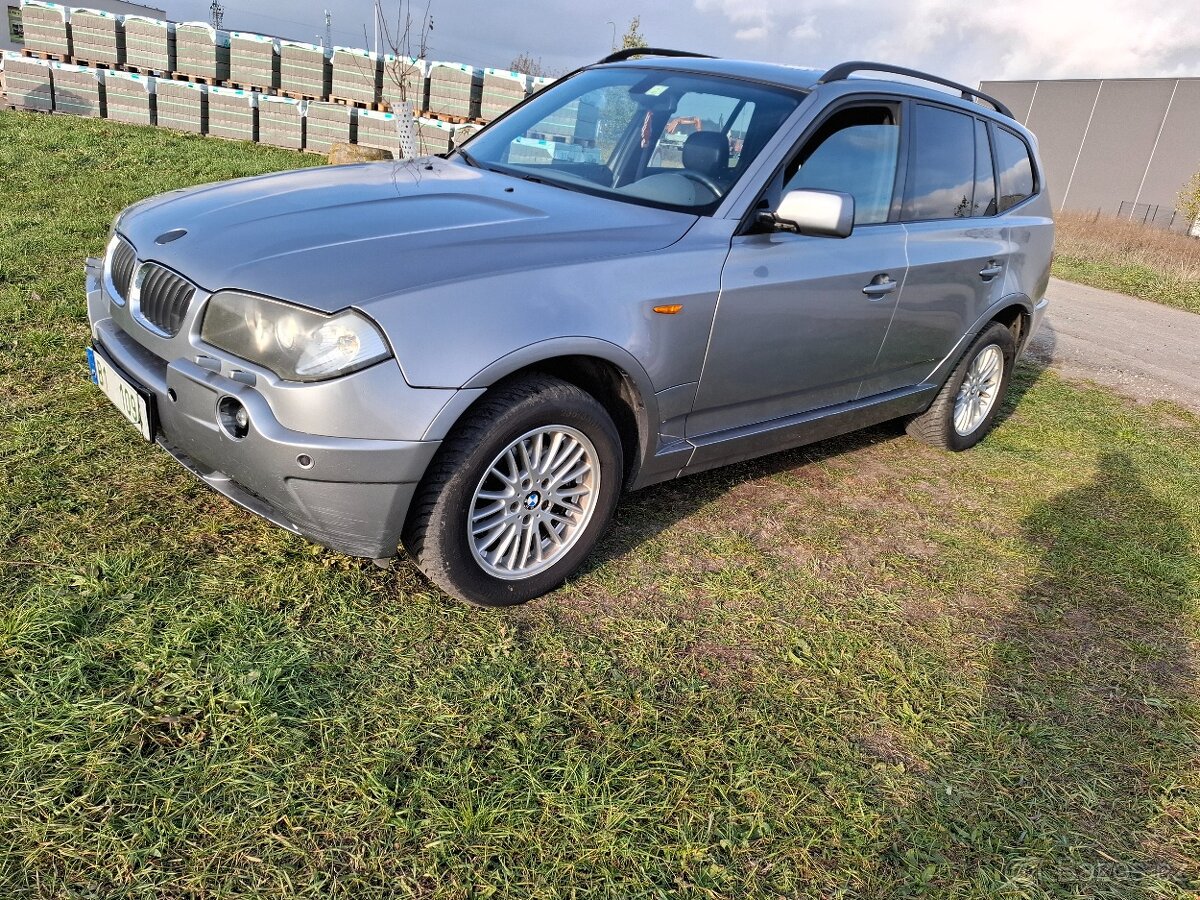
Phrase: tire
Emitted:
{"points": [[472, 469], [938, 425]]}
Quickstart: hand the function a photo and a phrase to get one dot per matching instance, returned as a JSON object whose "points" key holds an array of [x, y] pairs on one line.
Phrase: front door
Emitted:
{"points": [[801, 319]]}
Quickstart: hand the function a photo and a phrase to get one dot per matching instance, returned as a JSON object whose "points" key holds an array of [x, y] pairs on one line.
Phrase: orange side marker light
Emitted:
{"points": [[668, 309]]}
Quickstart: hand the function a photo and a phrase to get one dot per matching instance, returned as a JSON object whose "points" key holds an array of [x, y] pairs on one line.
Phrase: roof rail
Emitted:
{"points": [[843, 71], [628, 52]]}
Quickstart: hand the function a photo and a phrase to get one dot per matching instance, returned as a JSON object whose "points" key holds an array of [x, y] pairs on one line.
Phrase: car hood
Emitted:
{"points": [[337, 236]]}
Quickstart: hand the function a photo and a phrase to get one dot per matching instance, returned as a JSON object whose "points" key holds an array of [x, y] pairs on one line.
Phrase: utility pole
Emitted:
{"points": [[376, 13], [217, 12], [328, 29]]}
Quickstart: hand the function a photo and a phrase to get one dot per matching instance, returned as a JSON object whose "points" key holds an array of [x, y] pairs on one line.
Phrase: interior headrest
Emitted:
{"points": [[707, 152]]}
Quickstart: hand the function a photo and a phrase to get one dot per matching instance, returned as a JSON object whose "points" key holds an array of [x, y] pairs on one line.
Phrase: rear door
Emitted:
{"points": [[957, 249]]}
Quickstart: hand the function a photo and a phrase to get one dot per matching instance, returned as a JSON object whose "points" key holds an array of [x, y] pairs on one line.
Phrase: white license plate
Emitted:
{"points": [[124, 396]]}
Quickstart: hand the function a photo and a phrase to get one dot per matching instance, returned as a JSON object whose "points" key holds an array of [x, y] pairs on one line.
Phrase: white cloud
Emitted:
{"points": [[973, 42], [757, 33]]}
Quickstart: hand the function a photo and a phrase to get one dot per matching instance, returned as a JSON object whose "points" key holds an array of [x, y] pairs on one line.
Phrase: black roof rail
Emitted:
{"points": [[628, 52], [844, 70]]}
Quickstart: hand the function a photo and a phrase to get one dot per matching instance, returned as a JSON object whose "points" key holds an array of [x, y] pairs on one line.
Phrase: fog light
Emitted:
{"points": [[234, 418]]}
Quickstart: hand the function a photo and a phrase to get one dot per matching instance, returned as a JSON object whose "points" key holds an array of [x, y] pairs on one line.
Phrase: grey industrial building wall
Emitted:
{"points": [[1109, 143]]}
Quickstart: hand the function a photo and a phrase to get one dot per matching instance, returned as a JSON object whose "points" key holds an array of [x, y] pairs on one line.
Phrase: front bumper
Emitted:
{"points": [[348, 494]]}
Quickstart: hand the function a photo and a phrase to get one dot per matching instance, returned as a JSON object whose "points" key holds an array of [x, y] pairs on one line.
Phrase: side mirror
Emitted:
{"points": [[825, 213]]}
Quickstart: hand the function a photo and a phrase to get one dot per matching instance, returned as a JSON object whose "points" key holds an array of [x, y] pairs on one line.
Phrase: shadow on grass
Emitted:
{"points": [[1081, 709], [643, 514]]}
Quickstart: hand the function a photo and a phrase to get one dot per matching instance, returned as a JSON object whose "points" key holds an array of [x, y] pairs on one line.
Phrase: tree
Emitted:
{"points": [[634, 37], [1189, 204], [409, 43], [527, 65]]}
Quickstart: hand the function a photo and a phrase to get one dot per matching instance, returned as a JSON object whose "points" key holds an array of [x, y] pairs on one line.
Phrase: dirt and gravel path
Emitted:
{"points": [[1138, 348]]}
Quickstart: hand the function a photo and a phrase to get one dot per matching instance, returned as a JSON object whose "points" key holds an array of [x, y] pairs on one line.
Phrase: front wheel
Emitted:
{"points": [[518, 495], [967, 405]]}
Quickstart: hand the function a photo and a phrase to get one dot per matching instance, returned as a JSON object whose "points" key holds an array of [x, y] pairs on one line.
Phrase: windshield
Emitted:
{"points": [[658, 137]]}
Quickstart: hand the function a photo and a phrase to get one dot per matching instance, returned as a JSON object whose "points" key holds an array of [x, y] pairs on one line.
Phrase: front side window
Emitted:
{"points": [[855, 152], [676, 140], [941, 168], [1014, 167]]}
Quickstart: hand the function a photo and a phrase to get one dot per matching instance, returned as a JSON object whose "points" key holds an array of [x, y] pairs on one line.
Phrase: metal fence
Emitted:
{"points": [[1154, 214]]}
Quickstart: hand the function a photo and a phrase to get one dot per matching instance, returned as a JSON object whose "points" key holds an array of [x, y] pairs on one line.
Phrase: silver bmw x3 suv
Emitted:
{"points": [[653, 267]]}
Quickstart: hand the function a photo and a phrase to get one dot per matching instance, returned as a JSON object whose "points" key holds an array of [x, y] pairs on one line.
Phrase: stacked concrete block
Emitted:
{"points": [[455, 89], [357, 75], [129, 97], [182, 105], [327, 124], [434, 136], [28, 82], [502, 90], [410, 72], [281, 121], [78, 90], [97, 36], [233, 113], [305, 70], [532, 151], [149, 44], [537, 82], [378, 129], [253, 60], [201, 51], [46, 26], [576, 122]]}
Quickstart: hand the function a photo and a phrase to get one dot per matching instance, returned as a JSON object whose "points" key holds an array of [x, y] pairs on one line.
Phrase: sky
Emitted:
{"points": [[967, 40]]}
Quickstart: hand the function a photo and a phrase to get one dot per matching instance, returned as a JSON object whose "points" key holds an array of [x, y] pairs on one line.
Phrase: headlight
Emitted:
{"points": [[296, 344]]}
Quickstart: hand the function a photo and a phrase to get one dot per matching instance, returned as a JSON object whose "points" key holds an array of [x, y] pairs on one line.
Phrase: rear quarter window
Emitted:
{"points": [[1015, 169]]}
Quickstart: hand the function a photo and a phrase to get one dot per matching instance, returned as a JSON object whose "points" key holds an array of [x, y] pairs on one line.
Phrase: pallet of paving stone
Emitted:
{"points": [[182, 105], [357, 75], [201, 51], [281, 121], [129, 97], [305, 71], [434, 135], [455, 89], [233, 113], [149, 44], [97, 37], [378, 129], [78, 90], [28, 83], [47, 28], [253, 60], [502, 90], [327, 124]]}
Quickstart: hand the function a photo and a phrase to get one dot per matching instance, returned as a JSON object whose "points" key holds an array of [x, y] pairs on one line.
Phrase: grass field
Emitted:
{"points": [[861, 669], [1128, 257]]}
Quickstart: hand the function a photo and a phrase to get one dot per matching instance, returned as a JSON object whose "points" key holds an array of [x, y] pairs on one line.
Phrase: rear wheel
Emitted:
{"points": [[967, 405], [518, 495]]}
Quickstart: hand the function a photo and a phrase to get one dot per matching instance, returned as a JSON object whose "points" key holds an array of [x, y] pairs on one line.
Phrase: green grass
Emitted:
{"points": [[861, 669]]}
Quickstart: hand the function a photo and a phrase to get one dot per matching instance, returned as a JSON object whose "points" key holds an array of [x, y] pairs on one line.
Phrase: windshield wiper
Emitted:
{"points": [[468, 158]]}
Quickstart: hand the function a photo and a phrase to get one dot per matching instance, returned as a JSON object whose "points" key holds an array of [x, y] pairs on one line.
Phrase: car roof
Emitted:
{"points": [[772, 73], [805, 79]]}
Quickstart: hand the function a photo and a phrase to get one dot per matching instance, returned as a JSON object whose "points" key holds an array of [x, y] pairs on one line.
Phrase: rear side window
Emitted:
{"points": [[1014, 167], [941, 168]]}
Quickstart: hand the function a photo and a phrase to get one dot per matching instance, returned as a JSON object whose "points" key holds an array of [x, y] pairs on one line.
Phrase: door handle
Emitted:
{"points": [[991, 271], [880, 286]]}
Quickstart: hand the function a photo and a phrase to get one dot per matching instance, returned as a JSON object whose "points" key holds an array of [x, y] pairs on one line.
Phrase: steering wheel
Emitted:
{"points": [[701, 178]]}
